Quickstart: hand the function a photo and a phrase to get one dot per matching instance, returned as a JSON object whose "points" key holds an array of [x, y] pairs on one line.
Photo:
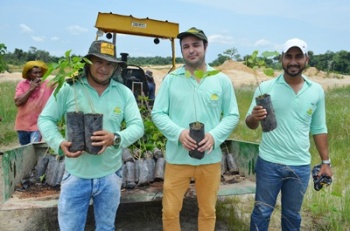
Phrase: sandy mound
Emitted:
{"points": [[232, 65]]}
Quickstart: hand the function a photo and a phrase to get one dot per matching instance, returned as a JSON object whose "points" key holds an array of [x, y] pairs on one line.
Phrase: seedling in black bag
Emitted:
{"points": [[197, 130]]}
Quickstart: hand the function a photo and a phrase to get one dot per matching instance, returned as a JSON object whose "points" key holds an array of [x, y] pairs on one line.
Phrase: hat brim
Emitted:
{"points": [[29, 65], [109, 59], [186, 33]]}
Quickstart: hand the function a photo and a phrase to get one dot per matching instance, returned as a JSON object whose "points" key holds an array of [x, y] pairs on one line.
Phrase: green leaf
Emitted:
{"points": [[187, 74], [200, 74], [41, 178], [267, 54]]}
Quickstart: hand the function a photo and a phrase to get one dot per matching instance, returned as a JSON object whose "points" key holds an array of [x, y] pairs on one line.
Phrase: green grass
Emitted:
{"points": [[328, 209], [244, 96], [8, 112]]}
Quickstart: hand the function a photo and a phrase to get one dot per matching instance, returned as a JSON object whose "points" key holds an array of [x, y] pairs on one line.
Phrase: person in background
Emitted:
{"points": [[184, 98], [87, 176], [30, 98], [283, 164], [151, 85]]}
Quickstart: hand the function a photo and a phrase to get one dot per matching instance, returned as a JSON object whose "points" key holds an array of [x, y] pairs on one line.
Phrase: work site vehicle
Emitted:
{"points": [[109, 25]]}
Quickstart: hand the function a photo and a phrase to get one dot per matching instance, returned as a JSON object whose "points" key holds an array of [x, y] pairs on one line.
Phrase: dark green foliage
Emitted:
{"points": [[338, 62], [152, 137], [68, 67], [220, 60]]}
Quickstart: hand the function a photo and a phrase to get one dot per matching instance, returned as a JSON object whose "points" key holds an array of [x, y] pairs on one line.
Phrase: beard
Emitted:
{"points": [[293, 70], [194, 64], [101, 82]]}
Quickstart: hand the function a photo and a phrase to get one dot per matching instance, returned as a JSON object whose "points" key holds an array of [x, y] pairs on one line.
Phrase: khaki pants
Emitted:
{"points": [[176, 182]]}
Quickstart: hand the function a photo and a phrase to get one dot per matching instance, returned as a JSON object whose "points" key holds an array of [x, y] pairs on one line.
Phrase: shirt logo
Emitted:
{"points": [[309, 112], [117, 110], [214, 97]]}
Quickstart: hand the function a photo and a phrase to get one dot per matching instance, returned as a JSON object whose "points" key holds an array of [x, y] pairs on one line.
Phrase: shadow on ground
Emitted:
{"points": [[147, 216]]}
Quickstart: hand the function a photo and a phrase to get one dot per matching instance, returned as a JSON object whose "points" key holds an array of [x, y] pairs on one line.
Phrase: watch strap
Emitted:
{"points": [[116, 141]]}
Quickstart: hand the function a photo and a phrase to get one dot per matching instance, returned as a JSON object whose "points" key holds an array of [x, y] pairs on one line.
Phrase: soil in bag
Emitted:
{"points": [[269, 123], [197, 133], [92, 123], [75, 131]]}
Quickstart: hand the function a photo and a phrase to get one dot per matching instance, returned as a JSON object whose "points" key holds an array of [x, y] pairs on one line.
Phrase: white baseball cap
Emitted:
{"points": [[295, 42]]}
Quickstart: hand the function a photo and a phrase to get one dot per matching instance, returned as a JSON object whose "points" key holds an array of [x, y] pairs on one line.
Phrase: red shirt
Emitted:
{"points": [[28, 113]]}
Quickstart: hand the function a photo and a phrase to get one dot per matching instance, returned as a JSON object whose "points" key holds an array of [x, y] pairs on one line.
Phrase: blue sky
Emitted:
{"points": [[60, 25]]}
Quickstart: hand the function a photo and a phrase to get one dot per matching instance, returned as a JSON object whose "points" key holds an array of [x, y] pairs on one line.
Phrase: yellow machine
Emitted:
{"points": [[122, 24], [113, 24]]}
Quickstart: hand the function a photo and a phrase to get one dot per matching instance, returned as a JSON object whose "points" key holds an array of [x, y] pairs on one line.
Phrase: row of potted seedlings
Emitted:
{"points": [[139, 170]]}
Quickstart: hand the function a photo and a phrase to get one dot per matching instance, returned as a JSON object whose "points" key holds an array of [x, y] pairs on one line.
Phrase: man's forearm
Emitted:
{"points": [[251, 122]]}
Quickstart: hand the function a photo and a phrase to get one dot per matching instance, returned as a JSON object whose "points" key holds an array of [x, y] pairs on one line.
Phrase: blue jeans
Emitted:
{"points": [[272, 178], [74, 200], [26, 137], [151, 91]]}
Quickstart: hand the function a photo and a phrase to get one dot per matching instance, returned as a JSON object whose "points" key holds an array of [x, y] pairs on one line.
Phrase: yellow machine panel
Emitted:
{"points": [[116, 23], [127, 24]]}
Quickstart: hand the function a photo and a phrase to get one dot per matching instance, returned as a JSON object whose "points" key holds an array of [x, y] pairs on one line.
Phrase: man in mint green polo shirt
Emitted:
{"points": [[95, 177], [194, 92], [284, 159]]}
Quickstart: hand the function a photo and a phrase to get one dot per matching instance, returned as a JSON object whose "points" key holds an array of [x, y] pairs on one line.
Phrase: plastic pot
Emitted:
{"points": [[197, 133], [159, 169], [41, 166], [92, 122], [157, 153], [130, 175], [143, 173], [55, 170], [223, 164], [75, 130], [126, 155], [231, 163], [269, 123]]}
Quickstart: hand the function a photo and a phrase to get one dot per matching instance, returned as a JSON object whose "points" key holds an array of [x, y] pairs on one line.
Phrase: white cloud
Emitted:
{"points": [[221, 39], [76, 30], [262, 43], [39, 38], [25, 29], [54, 38]]}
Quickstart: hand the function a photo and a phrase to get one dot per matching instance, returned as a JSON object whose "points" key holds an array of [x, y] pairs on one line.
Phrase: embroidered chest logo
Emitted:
{"points": [[117, 110], [214, 97], [309, 112]]}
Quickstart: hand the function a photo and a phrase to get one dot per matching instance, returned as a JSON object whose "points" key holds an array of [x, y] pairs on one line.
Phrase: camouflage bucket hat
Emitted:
{"points": [[195, 32], [104, 50]]}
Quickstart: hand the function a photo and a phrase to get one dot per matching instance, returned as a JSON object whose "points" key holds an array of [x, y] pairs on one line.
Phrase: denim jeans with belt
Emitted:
{"points": [[75, 196], [271, 179]]}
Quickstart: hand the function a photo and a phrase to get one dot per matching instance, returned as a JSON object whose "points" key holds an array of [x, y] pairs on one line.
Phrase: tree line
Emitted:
{"points": [[337, 62]]}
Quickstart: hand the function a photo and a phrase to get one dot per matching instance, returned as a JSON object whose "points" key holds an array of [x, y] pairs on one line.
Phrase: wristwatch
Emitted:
{"points": [[116, 141], [326, 161]]}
